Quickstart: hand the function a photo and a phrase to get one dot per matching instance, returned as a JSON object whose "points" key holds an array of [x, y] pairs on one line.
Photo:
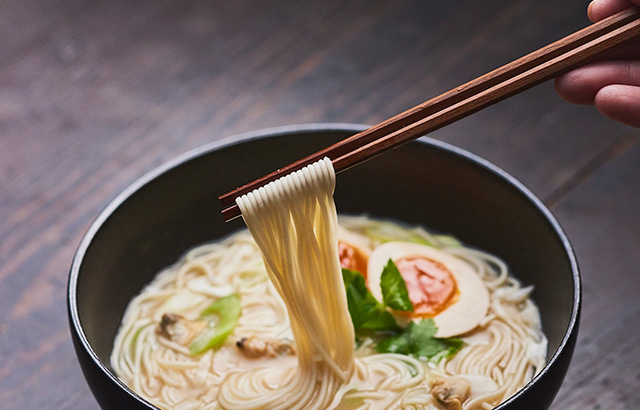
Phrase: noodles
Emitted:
{"points": [[304, 355], [294, 221]]}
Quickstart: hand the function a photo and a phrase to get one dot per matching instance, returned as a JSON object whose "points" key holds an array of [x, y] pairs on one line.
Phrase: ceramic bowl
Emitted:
{"points": [[175, 207]]}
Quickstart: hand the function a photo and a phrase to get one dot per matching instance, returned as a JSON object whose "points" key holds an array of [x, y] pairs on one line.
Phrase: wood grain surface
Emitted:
{"points": [[95, 93]]}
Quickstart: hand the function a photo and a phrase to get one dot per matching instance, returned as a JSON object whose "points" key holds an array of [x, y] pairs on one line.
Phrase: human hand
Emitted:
{"points": [[612, 83]]}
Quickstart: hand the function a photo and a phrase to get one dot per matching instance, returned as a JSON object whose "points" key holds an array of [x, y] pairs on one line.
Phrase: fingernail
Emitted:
{"points": [[590, 8]]}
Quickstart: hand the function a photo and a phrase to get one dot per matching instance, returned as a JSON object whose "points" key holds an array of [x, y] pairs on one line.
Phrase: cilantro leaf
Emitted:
{"points": [[453, 346], [418, 340], [366, 312], [422, 339], [394, 289], [395, 344]]}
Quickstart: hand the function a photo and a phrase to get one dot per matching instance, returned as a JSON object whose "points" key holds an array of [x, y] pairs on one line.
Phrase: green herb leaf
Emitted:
{"points": [[394, 288], [453, 346], [418, 340], [395, 344], [366, 312], [222, 316], [360, 301], [380, 320], [421, 339]]}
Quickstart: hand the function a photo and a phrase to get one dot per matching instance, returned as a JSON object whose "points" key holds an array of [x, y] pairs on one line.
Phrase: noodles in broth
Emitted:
{"points": [[294, 346]]}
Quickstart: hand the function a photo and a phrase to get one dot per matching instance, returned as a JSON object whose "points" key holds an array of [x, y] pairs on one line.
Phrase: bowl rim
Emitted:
{"points": [[72, 308]]}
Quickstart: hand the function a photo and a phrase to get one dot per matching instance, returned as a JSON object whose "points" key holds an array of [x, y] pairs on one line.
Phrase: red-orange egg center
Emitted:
{"points": [[352, 258], [432, 288]]}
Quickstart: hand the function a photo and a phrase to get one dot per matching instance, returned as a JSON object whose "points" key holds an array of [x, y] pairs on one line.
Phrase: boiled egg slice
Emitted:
{"points": [[354, 250], [440, 285]]}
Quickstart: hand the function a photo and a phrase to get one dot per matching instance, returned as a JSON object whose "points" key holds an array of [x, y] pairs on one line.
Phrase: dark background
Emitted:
{"points": [[95, 93]]}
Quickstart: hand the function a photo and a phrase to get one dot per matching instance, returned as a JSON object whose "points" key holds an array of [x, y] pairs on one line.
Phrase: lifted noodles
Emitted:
{"points": [[294, 222]]}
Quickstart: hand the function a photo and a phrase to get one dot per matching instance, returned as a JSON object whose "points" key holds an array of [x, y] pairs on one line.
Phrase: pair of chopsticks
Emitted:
{"points": [[510, 79]]}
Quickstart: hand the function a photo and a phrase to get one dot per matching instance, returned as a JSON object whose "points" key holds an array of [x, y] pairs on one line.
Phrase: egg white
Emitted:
{"points": [[473, 300]]}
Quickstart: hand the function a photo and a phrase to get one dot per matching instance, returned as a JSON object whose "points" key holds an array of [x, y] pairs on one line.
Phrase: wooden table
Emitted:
{"points": [[95, 93]]}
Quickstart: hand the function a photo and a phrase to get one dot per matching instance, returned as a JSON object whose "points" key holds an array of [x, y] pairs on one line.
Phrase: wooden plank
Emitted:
{"points": [[600, 217], [95, 93]]}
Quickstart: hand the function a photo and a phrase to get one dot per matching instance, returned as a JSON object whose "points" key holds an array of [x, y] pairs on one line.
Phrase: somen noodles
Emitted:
{"points": [[294, 223], [265, 322]]}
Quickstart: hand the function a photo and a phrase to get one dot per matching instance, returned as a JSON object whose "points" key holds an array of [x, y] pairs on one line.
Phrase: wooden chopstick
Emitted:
{"points": [[510, 79]]}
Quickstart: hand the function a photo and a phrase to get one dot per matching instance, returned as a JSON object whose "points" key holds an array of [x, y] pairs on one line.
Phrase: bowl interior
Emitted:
{"points": [[153, 223]]}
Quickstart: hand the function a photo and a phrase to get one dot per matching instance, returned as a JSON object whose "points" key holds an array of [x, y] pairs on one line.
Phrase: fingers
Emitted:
{"points": [[599, 9], [620, 103], [581, 85], [613, 86]]}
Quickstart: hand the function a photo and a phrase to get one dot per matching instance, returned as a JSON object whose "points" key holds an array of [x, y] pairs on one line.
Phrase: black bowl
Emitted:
{"points": [[175, 207]]}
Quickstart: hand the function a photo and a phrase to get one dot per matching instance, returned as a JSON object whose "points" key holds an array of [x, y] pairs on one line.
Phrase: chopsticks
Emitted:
{"points": [[541, 65]]}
